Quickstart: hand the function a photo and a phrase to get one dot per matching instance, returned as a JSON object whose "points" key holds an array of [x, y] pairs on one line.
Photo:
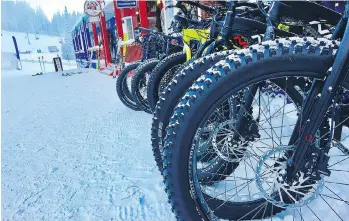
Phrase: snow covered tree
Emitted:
{"points": [[19, 16], [67, 46], [41, 23]]}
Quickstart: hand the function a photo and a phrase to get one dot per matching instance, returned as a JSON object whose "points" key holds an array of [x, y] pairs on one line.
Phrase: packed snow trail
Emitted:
{"points": [[72, 151]]}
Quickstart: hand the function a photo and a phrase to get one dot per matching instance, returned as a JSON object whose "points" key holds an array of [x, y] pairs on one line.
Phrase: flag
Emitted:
{"points": [[16, 47]]}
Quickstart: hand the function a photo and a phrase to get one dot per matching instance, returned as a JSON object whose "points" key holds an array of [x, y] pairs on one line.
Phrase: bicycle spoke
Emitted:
{"points": [[346, 184], [331, 208], [338, 162], [339, 170], [313, 213], [344, 201]]}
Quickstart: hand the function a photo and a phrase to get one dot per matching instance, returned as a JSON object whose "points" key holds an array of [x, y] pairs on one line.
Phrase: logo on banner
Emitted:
{"points": [[92, 8]]}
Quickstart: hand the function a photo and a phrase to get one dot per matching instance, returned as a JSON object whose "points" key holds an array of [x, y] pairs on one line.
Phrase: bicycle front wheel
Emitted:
{"points": [[281, 70]]}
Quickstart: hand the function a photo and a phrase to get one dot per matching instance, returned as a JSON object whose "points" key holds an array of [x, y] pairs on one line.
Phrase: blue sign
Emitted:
{"points": [[126, 4], [111, 23]]}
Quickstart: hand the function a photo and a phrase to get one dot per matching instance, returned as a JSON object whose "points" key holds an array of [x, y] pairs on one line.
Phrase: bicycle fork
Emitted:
{"points": [[250, 93], [314, 113]]}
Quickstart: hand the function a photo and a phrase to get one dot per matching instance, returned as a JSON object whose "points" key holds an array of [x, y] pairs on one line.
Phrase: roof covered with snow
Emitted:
{"points": [[84, 17]]}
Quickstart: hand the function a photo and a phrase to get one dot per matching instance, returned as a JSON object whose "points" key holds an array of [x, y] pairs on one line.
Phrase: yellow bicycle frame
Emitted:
{"points": [[193, 34]]}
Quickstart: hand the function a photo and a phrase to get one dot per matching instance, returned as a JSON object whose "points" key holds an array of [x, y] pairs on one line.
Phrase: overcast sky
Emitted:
{"points": [[52, 6]]}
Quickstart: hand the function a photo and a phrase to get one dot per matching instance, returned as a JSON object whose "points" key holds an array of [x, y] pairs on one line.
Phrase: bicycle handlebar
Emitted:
{"points": [[180, 6], [156, 33], [206, 8], [181, 18], [145, 29]]}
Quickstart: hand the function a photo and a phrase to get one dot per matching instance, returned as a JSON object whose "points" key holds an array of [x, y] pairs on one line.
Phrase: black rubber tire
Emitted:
{"points": [[140, 75], [283, 57], [122, 89], [170, 97], [175, 49], [164, 66], [168, 76]]}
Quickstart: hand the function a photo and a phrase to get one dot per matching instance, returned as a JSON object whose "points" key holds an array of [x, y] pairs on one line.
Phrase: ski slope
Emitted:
{"points": [[42, 43], [72, 151]]}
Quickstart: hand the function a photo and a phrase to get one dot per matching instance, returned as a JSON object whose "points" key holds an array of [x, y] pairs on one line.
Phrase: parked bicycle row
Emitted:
{"points": [[250, 109]]}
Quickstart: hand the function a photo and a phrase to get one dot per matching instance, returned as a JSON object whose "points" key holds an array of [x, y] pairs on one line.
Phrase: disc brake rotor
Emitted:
{"points": [[225, 146], [270, 173]]}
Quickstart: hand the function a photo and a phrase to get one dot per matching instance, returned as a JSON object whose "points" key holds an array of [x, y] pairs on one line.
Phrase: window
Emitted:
{"points": [[127, 28]]}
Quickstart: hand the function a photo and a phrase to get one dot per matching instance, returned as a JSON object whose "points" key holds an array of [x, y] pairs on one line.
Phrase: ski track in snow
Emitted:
{"points": [[72, 151]]}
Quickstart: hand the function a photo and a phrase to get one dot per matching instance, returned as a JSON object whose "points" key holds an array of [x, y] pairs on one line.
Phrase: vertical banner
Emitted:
{"points": [[88, 37], [16, 47], [17, 52]]}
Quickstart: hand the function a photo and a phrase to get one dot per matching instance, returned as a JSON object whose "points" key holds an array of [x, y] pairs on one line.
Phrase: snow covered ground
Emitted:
{"points": [[72, 151], [29, 68]]}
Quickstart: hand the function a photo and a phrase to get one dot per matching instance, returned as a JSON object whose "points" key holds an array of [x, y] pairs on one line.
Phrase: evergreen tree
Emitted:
{"points": [[67, 46], [41, 22], [20, 17]]}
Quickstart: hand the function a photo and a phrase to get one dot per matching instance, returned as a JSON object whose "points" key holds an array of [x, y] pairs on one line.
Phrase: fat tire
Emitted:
{"points": [[168, 76], [122, 89], [294, 56], [160, 70], [139, 75], [171, 96]]}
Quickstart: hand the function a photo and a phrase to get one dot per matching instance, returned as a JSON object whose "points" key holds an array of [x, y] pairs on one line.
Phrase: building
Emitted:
{"points": [[95, 38]]}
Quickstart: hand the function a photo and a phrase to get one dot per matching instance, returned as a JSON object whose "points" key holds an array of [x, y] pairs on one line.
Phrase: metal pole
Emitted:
{"points": [[40, 64], [43, 63]]}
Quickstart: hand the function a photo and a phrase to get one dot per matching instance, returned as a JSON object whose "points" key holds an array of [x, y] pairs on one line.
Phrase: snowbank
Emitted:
{"points": [[8, 61]]}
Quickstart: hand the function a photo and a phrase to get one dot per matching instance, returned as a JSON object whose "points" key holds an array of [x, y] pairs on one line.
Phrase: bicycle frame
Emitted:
{"points": [[270, 33], [231, 24], [315, 110], [193, 34], [251, 92]]}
